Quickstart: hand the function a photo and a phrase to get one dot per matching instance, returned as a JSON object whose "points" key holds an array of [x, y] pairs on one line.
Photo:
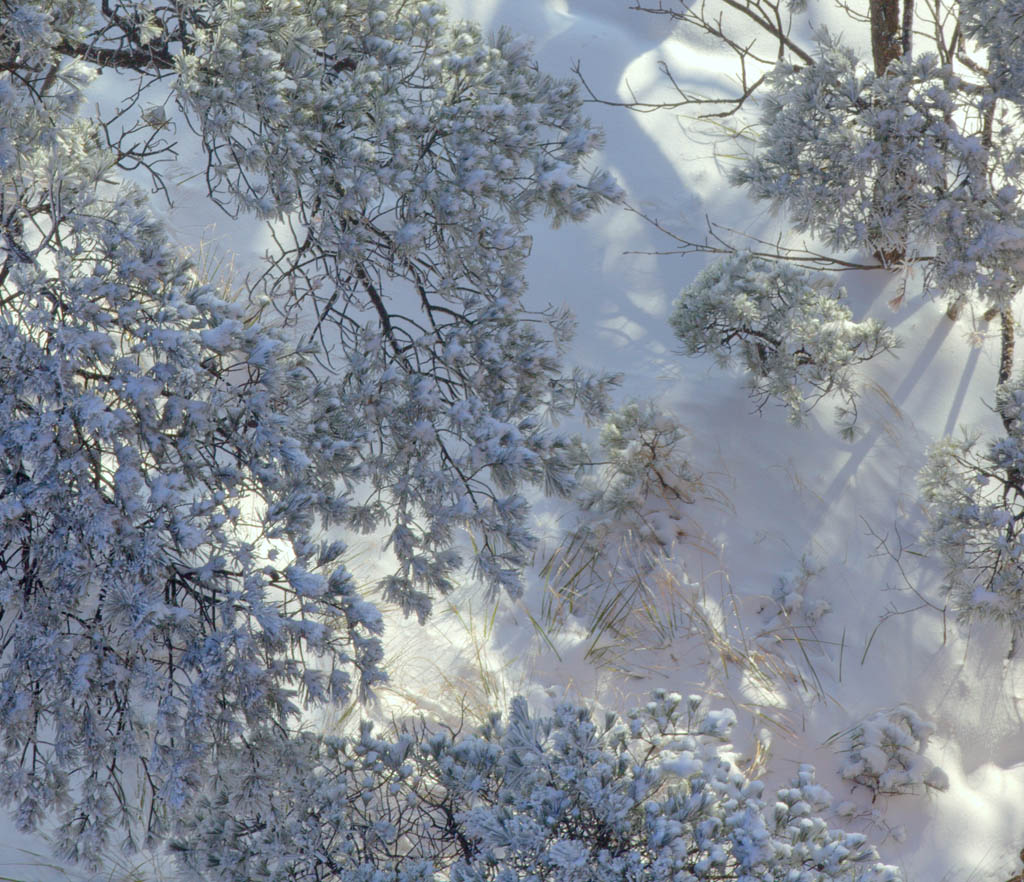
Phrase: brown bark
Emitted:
{"points": [[890, 39], [886, 33], [908, 27], [1006, 335]]}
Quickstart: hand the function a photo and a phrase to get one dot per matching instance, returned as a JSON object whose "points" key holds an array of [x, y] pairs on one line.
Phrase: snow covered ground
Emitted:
{"points": [[792, 518], [833, 521]]}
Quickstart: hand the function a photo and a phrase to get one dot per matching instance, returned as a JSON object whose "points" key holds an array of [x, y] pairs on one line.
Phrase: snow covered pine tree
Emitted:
{"points": [[975, 498], [796, 337], [160, 480], [913, 157], [167, 463], [908, 156]]}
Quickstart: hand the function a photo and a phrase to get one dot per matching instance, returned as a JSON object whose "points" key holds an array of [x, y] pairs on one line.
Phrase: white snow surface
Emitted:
{"points": [[787, 499], [791, 513]]}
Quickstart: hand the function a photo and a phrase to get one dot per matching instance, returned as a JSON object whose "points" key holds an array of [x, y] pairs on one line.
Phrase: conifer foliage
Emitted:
{"points": [[973, 490], [906, 158], [907, 155], [571, 797], [168, 464], [405, 156], [885, 753], [786, 325], [909, 160], [918, 164], [159, 488]]}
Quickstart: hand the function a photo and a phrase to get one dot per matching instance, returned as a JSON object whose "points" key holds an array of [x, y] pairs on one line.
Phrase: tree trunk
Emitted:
{"points": [[890, 39], [887, 33], [908, 27], [1006, 346]]}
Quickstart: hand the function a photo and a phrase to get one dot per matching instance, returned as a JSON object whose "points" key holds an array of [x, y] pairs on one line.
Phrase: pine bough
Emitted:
{"points": [[885, 753], [974, 500], [789, 329], [565, 798]]}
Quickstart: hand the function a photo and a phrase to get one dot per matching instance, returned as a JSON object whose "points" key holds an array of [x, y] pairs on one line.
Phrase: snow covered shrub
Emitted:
{"points": [[628, 513], [885, 753], [974, 499], [786, 326], [641, 462], [790, 595], [566, 798], [163, 477], [609, 567]]}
